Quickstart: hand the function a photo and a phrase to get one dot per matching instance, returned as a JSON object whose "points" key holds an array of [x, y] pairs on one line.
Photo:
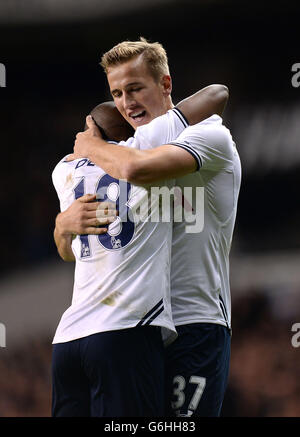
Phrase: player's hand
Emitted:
{"points": [[85, 215], [84, 140]]}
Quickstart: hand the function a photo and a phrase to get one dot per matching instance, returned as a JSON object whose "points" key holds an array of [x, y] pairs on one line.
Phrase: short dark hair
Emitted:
{"points": [[112, 125]]}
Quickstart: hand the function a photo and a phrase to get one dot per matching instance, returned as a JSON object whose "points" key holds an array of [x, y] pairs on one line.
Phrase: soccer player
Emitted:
{"points": [[204, 155], [108, 351]]}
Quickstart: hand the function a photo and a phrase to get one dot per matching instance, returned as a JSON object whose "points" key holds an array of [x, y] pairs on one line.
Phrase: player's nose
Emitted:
{"points": [[128, 102]]}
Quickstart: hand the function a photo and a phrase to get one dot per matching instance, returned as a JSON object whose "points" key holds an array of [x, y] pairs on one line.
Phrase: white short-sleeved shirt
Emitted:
{"points": [[200, 289], [122, 278]]}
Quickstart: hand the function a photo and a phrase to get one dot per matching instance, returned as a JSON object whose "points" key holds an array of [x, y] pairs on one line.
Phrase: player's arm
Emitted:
{"points": [[199, 146], [63, 240], [206, 102], [137, 166], [163, 162]]}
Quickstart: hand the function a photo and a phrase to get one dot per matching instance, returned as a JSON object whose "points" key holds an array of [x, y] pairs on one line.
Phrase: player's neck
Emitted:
{"points": [[169, 103]]}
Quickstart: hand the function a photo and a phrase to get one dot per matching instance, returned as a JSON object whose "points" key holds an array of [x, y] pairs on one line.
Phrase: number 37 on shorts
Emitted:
{"points": [[187, 398]]}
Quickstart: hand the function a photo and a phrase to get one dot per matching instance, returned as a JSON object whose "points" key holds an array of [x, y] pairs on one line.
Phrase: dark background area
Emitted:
{"points": [[54, 80]]}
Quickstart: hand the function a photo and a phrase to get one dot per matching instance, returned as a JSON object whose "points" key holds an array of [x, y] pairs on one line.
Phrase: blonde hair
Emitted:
{"points": [[153, 53]]}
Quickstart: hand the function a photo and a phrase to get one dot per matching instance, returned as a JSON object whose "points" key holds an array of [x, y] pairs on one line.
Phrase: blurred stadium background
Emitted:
{"points": [[51, 50]]}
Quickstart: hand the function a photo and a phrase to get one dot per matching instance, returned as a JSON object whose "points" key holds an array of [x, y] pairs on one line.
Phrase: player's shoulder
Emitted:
{"points": [[210, 124], [65, 164], [210, 135], [170, 117], [212, 130], [161, 129], [62, 167]]}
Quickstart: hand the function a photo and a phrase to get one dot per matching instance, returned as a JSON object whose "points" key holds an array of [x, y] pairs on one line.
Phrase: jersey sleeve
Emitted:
{"points": [[210, 144]]}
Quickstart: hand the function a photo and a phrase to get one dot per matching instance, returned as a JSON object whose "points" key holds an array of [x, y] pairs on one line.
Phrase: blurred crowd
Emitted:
{"points": [[263, 378], [25, 380], [264, 371]]}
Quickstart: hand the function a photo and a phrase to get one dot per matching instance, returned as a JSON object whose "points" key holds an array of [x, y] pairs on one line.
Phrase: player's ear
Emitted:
{"points": [[166, 82]]}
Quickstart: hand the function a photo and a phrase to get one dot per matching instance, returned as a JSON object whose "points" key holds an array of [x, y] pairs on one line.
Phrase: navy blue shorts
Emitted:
{"points": [[109, 374], [196, 370]]}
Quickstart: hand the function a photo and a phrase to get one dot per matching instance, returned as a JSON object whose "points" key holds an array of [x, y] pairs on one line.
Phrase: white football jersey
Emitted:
{"points": [[122, 278], [200, 290]]}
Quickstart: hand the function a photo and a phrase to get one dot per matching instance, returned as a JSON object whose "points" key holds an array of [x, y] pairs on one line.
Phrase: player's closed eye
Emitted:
{"points": [[135, 89]]}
